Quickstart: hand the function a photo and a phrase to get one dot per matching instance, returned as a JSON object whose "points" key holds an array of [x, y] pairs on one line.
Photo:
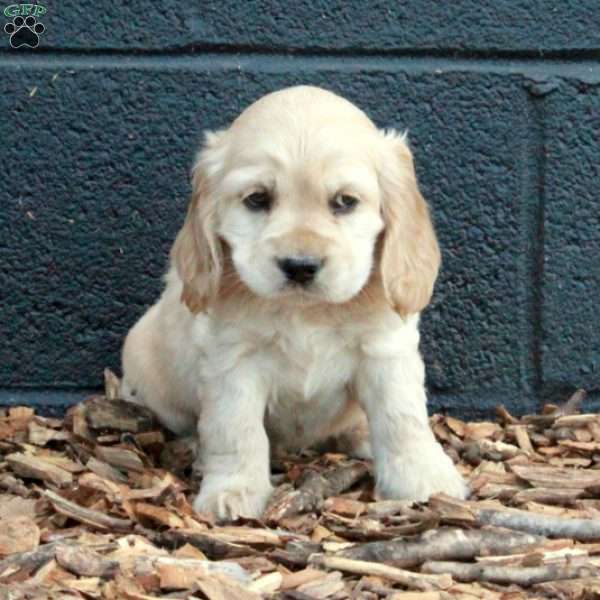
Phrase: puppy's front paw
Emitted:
{"points": [[419, 474], [228, 499]]}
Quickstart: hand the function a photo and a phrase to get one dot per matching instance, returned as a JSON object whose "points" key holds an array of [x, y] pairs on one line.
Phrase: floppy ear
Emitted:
{"points": [[410, 255], [197, 253]]}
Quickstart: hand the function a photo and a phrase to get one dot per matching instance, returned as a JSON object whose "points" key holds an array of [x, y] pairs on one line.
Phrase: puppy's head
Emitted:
{"points": [[303, 199]]}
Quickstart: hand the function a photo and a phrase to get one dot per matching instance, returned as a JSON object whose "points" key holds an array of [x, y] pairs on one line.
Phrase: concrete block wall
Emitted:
{"points": [[99, 125]]}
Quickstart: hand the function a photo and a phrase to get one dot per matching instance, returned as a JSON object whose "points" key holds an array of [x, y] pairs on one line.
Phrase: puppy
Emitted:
{"points": [[291, 307]]}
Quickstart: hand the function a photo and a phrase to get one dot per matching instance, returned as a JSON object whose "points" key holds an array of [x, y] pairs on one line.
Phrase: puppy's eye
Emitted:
{"points": [[343, 204], [258, 201]]}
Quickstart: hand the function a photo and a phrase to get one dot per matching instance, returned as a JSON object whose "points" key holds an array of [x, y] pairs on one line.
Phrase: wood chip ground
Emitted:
{"points": [[98, 505]]}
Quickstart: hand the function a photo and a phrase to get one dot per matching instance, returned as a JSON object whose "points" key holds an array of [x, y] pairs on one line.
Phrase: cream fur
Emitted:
{"points": [[235, 352]]}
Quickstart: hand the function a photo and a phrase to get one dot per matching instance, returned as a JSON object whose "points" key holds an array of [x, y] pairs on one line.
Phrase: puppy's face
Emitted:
{"points": [[296, 193], [300, 209]]}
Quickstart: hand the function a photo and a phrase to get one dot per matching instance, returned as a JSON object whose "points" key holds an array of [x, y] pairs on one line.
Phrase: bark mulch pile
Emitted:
{"points": [[98, 505]]}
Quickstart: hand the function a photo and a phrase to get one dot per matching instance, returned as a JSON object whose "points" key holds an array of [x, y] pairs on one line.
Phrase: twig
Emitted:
{"points": [[568, 588], [583, 530], [28, 562], [415, 581], [313, 491], [443, 544], [213, 546], [553, 496], [525, 576], [570, 407]]}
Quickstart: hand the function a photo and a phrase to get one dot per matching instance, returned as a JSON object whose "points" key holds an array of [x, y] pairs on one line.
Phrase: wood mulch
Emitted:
{"points": [[98, 505]]}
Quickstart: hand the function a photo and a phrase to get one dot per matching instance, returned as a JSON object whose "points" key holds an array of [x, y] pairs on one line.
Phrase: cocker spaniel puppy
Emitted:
{"points": [[291, 307]]}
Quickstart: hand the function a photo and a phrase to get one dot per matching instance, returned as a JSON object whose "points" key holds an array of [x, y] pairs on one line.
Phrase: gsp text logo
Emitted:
{"points": [[25, 28]]}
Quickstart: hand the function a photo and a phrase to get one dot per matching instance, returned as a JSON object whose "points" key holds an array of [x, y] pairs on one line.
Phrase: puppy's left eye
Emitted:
{"points": [[343, 204], [258, 201]]}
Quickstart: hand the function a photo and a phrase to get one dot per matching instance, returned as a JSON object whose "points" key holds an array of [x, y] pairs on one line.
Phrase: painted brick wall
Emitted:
{"points": [[99, 124]]}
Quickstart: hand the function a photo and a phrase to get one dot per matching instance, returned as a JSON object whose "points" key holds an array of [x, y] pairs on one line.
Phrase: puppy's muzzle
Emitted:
{"points": [[300, 270]]}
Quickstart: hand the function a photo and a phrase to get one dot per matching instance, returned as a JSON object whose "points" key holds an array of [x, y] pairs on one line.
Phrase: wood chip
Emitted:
{"points": [[40, 435], [12, 506], [551, 477], [102, 414], [181, 573], [267, 584], [37, 468], [99, 505], [215, 588], [523, 440], [323, 588], [345, 506], [90, 517], [159, 515], [119, 457], [112, 386], [480, 431], [416, 596], [84, 561], [18, 534], [293, 580]]}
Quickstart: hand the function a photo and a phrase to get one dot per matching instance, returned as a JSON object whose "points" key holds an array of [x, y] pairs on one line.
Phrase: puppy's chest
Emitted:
{"points": [[309, 376], [308, 364], [298, 362], [304, 372]]}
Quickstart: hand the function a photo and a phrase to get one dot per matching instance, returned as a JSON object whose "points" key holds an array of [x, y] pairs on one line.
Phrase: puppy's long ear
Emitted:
{"points": [[410, 256], [197, 253]]}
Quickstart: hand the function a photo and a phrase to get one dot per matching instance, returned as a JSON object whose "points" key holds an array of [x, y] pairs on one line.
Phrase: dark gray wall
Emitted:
{"points": [[502, 102]]}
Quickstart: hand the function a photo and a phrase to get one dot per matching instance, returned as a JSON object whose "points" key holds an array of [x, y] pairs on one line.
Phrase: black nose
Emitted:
{"points": [[300, 270]]}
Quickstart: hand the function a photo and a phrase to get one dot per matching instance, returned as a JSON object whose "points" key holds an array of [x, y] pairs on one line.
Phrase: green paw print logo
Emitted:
{"points": [[25, 28]]}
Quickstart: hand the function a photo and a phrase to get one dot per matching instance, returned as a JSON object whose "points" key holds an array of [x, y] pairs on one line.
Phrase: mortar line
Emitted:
{"points": [[534, 222], [586, 70], [449, 52]]}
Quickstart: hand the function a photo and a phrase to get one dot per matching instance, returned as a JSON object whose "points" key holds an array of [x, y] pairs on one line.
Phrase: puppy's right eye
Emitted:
{"points": [[258, 201], [343, 204]]}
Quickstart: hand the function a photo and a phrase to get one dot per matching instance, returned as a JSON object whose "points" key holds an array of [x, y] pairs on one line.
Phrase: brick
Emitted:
{"points": [[570, 342], [98, 158], [531, 26]]}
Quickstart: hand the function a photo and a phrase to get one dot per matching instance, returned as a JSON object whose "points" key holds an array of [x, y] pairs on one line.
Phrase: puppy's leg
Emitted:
{"points": [[233, 446], [355, 441], [149, 378], [169, 413], [409, 462], [352, 433]]}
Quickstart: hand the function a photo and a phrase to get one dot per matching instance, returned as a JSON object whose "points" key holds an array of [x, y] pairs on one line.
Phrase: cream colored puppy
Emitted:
{"points": [[292, 304]]}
